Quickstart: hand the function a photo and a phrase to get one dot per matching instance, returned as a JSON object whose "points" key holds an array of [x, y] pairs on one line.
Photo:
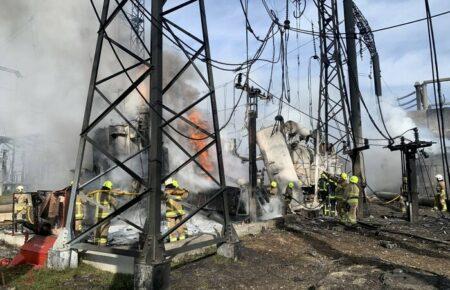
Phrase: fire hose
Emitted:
{"points": [[93, 202]]}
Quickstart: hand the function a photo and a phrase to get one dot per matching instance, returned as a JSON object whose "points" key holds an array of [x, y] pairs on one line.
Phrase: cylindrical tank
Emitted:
{"points": [[6, 208], [6, 199]]}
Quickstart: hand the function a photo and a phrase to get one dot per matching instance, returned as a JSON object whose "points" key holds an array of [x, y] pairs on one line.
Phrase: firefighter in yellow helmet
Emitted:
{"points": [[273, 190], [173, 196], [340, 190], [351, 196], [288, 194], [105, 200], [439, 196]]}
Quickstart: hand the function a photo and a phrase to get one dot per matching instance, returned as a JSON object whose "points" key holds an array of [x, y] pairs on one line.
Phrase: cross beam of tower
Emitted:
{"points": [[165, 120]]}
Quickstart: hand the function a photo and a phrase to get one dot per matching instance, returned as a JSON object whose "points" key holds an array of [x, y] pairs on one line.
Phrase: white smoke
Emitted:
{"points": [[51, 43], [383, 167]]}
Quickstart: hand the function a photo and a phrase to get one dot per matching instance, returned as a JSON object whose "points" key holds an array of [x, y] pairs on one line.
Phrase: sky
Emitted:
{"points": [[52, 43]]}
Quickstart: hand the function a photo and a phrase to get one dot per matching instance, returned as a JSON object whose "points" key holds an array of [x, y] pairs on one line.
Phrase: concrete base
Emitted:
{"points": [[112, 263], [152, 277], [229, 250], [115, 263], [62, 259]]}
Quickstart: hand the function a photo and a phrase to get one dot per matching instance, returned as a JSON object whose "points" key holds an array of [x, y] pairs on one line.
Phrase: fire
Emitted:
{"points": [[204, 159]]}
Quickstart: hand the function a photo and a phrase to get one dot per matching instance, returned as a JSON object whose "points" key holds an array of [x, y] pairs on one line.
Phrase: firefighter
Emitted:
{"points": [[21, 207], [288, 194], [439, 196], [331, 197], [273, 190], [403, 194], [173, 195], [340, 190], [105, 200], [351, 196], [322, 185], [79, 214]]}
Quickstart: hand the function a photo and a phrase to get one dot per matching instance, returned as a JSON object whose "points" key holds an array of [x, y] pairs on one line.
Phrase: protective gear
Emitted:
{"points": [[291, 185], [273, 184], [168, 181], [439, 196], [174, 210], [288, 194], [344, 176], [323, 184], [354, 179], [79, 214], [105, 199], [21, 207], [351, 196], [108, 184], [20, 189], [439, 177], [340, 202]]}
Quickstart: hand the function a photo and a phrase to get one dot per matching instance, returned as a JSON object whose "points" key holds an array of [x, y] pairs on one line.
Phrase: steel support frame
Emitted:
{"points": [[153, 252], [88, 125], [331, 74]]}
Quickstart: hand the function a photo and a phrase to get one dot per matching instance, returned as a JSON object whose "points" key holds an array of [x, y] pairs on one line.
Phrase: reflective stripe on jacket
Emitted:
{"points": [[173, 197], [352, 194], [79, 211], [103, 198]]}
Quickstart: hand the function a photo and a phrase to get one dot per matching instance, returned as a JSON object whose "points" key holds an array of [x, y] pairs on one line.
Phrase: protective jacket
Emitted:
{"points": [[106, 199], [351, 194], [440, 188], [79, 208], [173, 197]]}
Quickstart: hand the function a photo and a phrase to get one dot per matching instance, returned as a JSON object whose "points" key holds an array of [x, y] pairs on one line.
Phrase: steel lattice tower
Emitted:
{"points": [[333, 99], [138, 21], [151, 269]]}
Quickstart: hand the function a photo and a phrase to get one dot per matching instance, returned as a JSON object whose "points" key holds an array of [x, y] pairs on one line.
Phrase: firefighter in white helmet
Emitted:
{"points": [[22, 206], [173, 196], [439, 196]]}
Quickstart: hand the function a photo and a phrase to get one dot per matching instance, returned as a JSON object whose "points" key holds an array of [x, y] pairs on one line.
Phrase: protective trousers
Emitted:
{"points": [[180, 233], [439, 201], [351, 216], [101, 234]]}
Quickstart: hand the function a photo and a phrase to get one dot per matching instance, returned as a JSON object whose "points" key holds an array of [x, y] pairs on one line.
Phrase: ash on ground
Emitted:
{"points": [[324, 254]]}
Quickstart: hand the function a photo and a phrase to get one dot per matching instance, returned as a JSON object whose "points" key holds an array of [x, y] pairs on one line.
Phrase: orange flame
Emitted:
{"points": [[199, 140]]}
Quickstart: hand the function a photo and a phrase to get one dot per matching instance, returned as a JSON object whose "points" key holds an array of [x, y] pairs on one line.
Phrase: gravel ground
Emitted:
{"points": [[322, 254]]}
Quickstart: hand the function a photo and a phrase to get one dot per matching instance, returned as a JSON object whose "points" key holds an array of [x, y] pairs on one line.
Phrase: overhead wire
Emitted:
{"points": [[437, 93]]}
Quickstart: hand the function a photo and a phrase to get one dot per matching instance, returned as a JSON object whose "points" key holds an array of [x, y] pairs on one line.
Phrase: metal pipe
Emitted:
{"points": [[6, 208]]}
